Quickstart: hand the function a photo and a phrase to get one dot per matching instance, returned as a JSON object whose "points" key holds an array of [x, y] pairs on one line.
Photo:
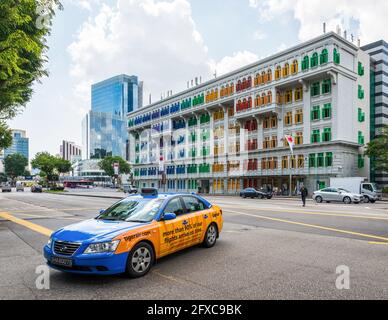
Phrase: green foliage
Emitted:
{"points": [[377, 149], [107, 165], [3, 177], [15, 165], [24, 27], [50, 166], [5, 136]]}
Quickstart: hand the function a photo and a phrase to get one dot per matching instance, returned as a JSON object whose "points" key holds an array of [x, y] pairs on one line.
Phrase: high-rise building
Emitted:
{"points": [[70, 151], [104, 135], [378, 52], [20, 144], [230, 133], [117, 96], [104, 127]]}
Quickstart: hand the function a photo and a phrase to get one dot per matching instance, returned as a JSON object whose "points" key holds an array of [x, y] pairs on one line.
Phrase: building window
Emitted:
{"points": [[315, 89], [266, 123], [269, 75], [288, 96], [336, 56], [312, 160], [314, 60], [326, 86], [326, 111], [278, 72], [299, 138], [329, 159], [284, 162], [299, 116], [305, 63], [315, 113], [361, 93], [326, 135], [300, 161], [361, 138], [288, 119], [298, 94], [361, 115], [294, 67], [315, 136], [279, 98], [286, 70], [274, 142], [266, 143], [320, 160], [293, 162], [324, 58], [274, 122], [361, 161], [361, 71]]}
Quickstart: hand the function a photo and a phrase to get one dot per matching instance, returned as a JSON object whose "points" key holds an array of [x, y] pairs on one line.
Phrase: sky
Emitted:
{"points": [[168, 42]]}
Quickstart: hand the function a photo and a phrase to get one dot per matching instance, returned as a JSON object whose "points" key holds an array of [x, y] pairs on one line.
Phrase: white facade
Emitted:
{"points": [[334, 136]]}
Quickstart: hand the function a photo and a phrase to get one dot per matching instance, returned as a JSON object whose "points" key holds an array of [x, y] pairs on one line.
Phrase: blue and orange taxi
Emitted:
{"points": [[133, 233]]}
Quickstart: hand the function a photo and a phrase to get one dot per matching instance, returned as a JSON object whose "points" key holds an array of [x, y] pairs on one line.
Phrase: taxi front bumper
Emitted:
{"points": [[100, 263]]}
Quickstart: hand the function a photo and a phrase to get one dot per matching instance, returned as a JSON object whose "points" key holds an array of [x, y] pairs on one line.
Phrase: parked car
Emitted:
{"points": [[36, 188], [6, 188], [337, 195], [254, 193], [19, 186], [129, 189]]}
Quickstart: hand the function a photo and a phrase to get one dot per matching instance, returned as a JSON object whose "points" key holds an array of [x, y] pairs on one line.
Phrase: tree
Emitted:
{"points": [[3, 177], [50, 166], [24, 27], [107, 165], [44, 162], [62, 165], [377, 150], [5, 136], [15, 165]]}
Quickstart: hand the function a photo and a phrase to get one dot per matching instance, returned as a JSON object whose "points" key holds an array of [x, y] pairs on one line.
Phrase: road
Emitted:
{"points": [[269, 249]]}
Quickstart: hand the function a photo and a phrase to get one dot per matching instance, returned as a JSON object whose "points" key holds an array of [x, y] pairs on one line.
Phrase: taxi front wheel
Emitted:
{"points": [[210, 236], [140, 260]]}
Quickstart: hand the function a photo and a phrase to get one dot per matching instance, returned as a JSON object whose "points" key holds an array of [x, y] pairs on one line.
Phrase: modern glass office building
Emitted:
{"points": [[118, 95], [20, 144], [104, 135], [104, 127]]}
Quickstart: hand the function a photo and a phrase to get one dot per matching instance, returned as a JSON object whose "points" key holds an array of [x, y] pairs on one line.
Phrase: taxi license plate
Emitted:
{"points": [[62, 262]]}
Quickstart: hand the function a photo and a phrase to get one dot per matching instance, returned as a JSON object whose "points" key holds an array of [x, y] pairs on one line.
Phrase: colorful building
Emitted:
{"points": [[229, 133]]}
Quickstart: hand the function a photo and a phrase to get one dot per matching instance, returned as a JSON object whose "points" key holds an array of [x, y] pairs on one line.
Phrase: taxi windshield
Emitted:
{"points": [[132, 210]]}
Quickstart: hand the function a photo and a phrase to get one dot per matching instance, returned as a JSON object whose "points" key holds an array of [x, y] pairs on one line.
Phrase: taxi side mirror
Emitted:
{"points": [[102, 211], [169, 216]]}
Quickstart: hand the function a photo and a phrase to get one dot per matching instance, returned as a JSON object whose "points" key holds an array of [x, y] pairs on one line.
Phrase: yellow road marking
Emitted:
{"points": [[380, 243], [312, 226], [35, 227], [332, 214], [49, 210]]}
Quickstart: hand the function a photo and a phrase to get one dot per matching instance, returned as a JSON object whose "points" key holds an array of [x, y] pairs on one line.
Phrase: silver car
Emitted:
{"points": [[337, 195]]}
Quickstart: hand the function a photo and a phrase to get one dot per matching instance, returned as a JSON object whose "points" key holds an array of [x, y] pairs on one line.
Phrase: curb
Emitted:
{"points": [[88, 196]]}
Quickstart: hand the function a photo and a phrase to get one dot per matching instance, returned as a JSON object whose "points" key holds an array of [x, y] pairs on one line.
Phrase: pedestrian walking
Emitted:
{"points": [[304, 193]]}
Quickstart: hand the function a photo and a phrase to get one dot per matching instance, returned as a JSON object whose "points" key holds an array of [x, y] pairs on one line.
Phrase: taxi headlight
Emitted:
{"points": [[102, 247], [50, 240]]}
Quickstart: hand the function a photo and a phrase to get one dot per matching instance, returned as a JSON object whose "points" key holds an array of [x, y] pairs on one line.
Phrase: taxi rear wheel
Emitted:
{"points": [[210, 236], [140, 260]]}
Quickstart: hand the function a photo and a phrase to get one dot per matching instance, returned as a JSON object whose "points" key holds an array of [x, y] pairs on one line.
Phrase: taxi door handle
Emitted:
{"points": [[185, 222], [205, 216]]}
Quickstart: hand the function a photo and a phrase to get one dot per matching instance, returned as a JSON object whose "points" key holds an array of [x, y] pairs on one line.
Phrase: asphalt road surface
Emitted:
{"points": [[269, 249]]}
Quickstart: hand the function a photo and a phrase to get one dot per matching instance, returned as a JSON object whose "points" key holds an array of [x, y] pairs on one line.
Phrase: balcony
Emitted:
{"points": [[257, 111]]}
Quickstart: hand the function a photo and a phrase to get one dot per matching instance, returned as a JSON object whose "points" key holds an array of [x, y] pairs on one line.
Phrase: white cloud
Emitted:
{"points": [[156, 40], [85, 4], [237, 60], [366, 19], [259, 35]]}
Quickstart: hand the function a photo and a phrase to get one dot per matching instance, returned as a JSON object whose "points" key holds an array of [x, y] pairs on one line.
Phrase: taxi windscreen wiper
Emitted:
{"points": [[140, 221]]}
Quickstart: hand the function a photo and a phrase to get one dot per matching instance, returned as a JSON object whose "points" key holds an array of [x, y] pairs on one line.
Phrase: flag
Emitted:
{"points": [[291, 143]]}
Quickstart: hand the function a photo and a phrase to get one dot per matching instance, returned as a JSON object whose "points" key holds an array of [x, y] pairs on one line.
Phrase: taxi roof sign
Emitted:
{"points": [[153, 192]]}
